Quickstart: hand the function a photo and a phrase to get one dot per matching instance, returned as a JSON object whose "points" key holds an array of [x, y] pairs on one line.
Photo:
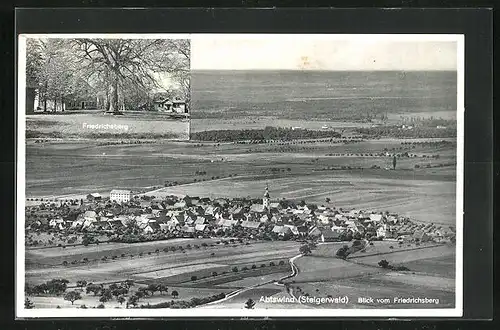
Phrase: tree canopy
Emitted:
{"points": [[122, 72]]}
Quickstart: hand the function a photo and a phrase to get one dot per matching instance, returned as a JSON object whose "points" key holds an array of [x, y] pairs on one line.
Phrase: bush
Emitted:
{"points": [[194, 278], [235, 269], [383, 263]]}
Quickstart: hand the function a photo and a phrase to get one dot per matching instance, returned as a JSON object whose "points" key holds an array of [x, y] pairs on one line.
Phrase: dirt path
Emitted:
{"points": [[235, 293]]}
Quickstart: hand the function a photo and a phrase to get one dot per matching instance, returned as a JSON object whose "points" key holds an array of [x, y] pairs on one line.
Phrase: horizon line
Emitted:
{"points": [[333, 70]]}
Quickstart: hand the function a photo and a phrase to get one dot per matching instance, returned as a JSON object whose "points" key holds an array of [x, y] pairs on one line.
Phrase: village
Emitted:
{"points": [[122, 217]]}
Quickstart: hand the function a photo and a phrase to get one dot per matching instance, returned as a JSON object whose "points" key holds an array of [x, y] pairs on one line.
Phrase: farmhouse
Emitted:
{"points": [[421, 236], [282, 231], [94, 197], [201, 227], [375, 217], [251, 224], [120, 196], [330, 236]]}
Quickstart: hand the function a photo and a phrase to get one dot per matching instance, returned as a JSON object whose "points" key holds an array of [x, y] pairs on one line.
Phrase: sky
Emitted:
{"points": [[321, 52]]}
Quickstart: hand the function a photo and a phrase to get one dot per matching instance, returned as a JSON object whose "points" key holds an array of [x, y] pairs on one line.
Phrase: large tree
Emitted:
{"points": [[51, 70], [121, 64]]}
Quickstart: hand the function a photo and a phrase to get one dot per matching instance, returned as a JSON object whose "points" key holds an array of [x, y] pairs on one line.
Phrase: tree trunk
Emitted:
{"points": [[113, 102], [30, 100], [55, 105]]}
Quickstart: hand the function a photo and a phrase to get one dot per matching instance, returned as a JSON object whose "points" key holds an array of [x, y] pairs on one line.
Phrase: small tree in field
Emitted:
{"points": [[153, 288], [162, 288], [72, 296], [305, 250], [81, 283], [120, 299], [28, 304], [175, 294], [249, 304], [132, 300], [383, 263]]}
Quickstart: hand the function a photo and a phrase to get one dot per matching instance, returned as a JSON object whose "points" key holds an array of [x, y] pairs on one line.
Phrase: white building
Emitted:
{"points": [[120, 196], [266, 199]]}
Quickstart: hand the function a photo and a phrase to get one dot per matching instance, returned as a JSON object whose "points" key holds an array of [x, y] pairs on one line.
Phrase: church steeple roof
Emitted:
{"points": [[266, 194]]}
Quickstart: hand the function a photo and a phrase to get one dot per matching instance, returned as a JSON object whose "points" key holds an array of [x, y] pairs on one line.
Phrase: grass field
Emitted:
{"points": [[426, 194], [79, 125], [173, 267]]}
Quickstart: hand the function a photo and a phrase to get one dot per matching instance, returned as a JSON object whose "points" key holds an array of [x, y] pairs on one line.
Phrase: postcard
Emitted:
{"points": [[240, 175]]}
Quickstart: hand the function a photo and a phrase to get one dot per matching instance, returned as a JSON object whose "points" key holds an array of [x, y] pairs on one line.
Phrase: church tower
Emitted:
{"points": [[265, 200]]}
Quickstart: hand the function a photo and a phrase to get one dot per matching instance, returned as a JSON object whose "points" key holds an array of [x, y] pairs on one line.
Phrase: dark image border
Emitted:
{"points": [[476, 24]]}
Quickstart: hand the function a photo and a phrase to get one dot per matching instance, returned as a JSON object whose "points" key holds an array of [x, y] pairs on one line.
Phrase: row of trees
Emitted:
{"points": [[117, 71], [268, 133], [416, 132]]}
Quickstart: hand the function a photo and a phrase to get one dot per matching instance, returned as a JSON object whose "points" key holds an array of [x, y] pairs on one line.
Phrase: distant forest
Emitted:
{"points": [[268, 133]]}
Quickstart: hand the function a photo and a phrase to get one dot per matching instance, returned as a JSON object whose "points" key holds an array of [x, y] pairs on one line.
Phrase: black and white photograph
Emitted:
{"points": [[262, 175], [107, 87]]}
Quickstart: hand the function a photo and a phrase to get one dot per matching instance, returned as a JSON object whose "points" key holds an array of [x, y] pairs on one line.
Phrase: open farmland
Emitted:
{"points": [[321, 275], [425, 194], [172, 266]]}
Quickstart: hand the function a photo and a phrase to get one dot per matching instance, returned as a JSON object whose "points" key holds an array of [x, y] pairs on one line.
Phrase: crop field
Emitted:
{"points": [[404, 257], [321, 275], [315, 269], [171, 266], [426, 194], [89, 300], [56, 255]]}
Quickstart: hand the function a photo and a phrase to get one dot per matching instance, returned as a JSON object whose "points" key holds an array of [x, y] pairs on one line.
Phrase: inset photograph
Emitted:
{"points": [[106, 87]]}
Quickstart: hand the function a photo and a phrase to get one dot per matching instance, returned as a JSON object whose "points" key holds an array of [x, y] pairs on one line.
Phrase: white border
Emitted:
{"points": [[21, 312]]}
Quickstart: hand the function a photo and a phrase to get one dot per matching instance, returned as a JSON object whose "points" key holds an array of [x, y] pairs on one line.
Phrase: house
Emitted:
{"points": [[302, 230], [212, 210], [265, 218], [338, 228], [120, 196], [200, 221], [57, 223], [293, 229], [282, 231], [116, 224], [324, 218], [382, 231], [180, 204], [421, 236], [102, 225], [275, 205], [172, 223], [94, 196], [201, 227], [179, 106], [187, 230], [227, 223], [375, 217], [251, 224], [330, 236], [257, 208], [314, 232]]}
